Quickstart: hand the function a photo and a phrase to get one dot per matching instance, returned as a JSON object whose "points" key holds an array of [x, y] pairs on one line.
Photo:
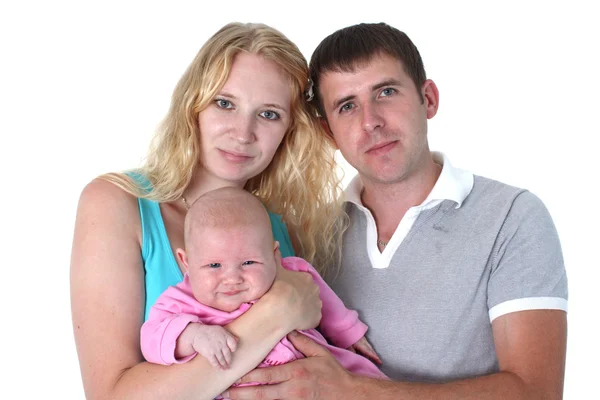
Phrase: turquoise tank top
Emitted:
{"points": [[160, 267]]}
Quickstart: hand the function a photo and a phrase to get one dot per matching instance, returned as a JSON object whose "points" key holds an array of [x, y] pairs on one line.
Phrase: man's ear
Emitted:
{"points": [[431, 98], [182, 256]]}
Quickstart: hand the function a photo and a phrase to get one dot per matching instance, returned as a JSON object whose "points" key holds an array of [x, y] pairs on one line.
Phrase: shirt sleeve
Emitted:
{"points": [[528, 270], [338, 324], [167, 319]]}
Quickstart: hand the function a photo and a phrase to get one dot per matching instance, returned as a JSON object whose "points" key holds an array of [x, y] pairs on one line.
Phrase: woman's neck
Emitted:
{"points": [[203, 182]]}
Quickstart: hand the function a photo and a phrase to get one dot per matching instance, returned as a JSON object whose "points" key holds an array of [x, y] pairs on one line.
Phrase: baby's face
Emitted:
{"points": [[228, 267]]}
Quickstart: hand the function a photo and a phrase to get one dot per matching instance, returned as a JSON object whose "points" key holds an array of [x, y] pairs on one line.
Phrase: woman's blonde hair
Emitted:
{"points": [[301, 183]]}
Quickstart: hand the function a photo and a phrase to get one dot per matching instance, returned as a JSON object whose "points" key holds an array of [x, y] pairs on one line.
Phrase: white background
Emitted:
{"points": [[83, 85]]}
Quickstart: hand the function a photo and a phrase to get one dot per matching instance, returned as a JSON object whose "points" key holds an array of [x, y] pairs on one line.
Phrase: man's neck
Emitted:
{"points": [[389, 202]]}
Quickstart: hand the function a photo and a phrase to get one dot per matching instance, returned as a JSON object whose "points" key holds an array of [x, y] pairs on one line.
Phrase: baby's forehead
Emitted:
{"points": [[257, 236], [227, 212], [232, 228]]}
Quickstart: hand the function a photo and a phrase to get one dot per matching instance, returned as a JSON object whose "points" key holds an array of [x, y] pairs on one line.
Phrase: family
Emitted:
{"points": [[232, 265]]}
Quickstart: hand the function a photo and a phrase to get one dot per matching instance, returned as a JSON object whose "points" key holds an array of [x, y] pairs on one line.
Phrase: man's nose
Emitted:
{"points": [[371, 117]]}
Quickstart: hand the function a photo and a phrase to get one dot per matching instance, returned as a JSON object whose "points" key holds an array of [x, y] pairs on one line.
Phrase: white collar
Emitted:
{"points": [[453, 184]]}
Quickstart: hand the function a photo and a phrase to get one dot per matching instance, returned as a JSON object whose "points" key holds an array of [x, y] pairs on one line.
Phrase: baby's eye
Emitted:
{"points": [[248, 262], [268, 114], [214, 265]]}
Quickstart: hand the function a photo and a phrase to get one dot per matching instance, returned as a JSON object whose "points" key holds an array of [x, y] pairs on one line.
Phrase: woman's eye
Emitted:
{"points": [[347, 107], [272, 115], [248, 262], [214, 265], [223, 103]]}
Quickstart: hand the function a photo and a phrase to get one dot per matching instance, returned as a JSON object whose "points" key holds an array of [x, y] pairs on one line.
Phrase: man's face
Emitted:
{"points": [[378, 118]]}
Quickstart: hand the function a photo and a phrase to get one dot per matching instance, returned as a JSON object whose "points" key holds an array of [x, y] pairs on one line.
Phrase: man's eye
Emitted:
{"points": [[272, 115], [347, 107], [214, 265], [248, 262], [388, 92], [222, 103]]}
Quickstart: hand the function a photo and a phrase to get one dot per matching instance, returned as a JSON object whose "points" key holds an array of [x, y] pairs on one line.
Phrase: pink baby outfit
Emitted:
{"points": [[177, 307]]}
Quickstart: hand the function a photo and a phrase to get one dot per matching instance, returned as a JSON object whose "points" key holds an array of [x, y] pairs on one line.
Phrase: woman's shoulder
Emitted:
{"points": [[102, 196], [116, 187], [107, 216], [103, 189]]}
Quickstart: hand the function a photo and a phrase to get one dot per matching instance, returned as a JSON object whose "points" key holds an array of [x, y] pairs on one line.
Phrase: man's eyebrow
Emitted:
{"points": [[387, 82], [339, 102], [377, 86]]}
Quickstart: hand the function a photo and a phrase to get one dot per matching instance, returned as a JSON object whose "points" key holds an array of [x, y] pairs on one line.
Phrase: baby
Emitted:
{"points": [[231, 260]]}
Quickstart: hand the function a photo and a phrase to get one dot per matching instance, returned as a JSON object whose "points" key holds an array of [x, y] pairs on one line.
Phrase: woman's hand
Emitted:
{"points": [[296, 295]]}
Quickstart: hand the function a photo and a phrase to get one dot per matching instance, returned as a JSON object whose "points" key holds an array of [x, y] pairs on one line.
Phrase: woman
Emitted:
{"points": [[238, 117]]}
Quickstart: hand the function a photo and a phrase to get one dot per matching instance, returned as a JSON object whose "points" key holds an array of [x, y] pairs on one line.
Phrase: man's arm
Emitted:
{"points": [[530, 345], [531, 348]]}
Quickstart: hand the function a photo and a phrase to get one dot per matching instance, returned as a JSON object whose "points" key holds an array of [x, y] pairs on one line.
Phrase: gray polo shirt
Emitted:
{"points": [[474, 250]]}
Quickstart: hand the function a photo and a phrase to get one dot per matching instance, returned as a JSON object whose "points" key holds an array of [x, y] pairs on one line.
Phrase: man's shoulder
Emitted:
{"points": [[491, 196], [488, 196], [494, 191], [488, 186]]}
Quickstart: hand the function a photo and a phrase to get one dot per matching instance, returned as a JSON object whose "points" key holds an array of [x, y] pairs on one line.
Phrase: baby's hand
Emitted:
{"points": [[214, 343], [364, 348]]}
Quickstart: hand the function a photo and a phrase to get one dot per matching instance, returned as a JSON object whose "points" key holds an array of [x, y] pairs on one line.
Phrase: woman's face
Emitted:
{"points": [[243, 127]]}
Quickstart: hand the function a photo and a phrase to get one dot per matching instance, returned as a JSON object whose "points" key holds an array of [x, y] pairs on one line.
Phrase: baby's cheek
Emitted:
{"points": [[204, 288], [262, 282]]}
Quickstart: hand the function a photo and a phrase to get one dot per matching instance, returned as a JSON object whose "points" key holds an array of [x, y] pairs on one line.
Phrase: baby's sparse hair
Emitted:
{"points": [[226, 208]]}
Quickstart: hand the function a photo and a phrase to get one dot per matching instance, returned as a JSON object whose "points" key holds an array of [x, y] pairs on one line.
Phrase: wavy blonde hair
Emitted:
{"points": [[301, 183]]}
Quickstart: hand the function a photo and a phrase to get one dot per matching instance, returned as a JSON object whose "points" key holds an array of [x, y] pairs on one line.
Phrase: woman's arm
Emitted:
{"points": [[107, 300]]}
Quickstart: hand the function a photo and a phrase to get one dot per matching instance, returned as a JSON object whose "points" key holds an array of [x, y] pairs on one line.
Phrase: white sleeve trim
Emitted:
{"points": [[528, 303]]}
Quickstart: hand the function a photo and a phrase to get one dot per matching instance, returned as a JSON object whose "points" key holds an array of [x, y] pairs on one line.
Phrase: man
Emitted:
{"points": [[460, 278]]}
